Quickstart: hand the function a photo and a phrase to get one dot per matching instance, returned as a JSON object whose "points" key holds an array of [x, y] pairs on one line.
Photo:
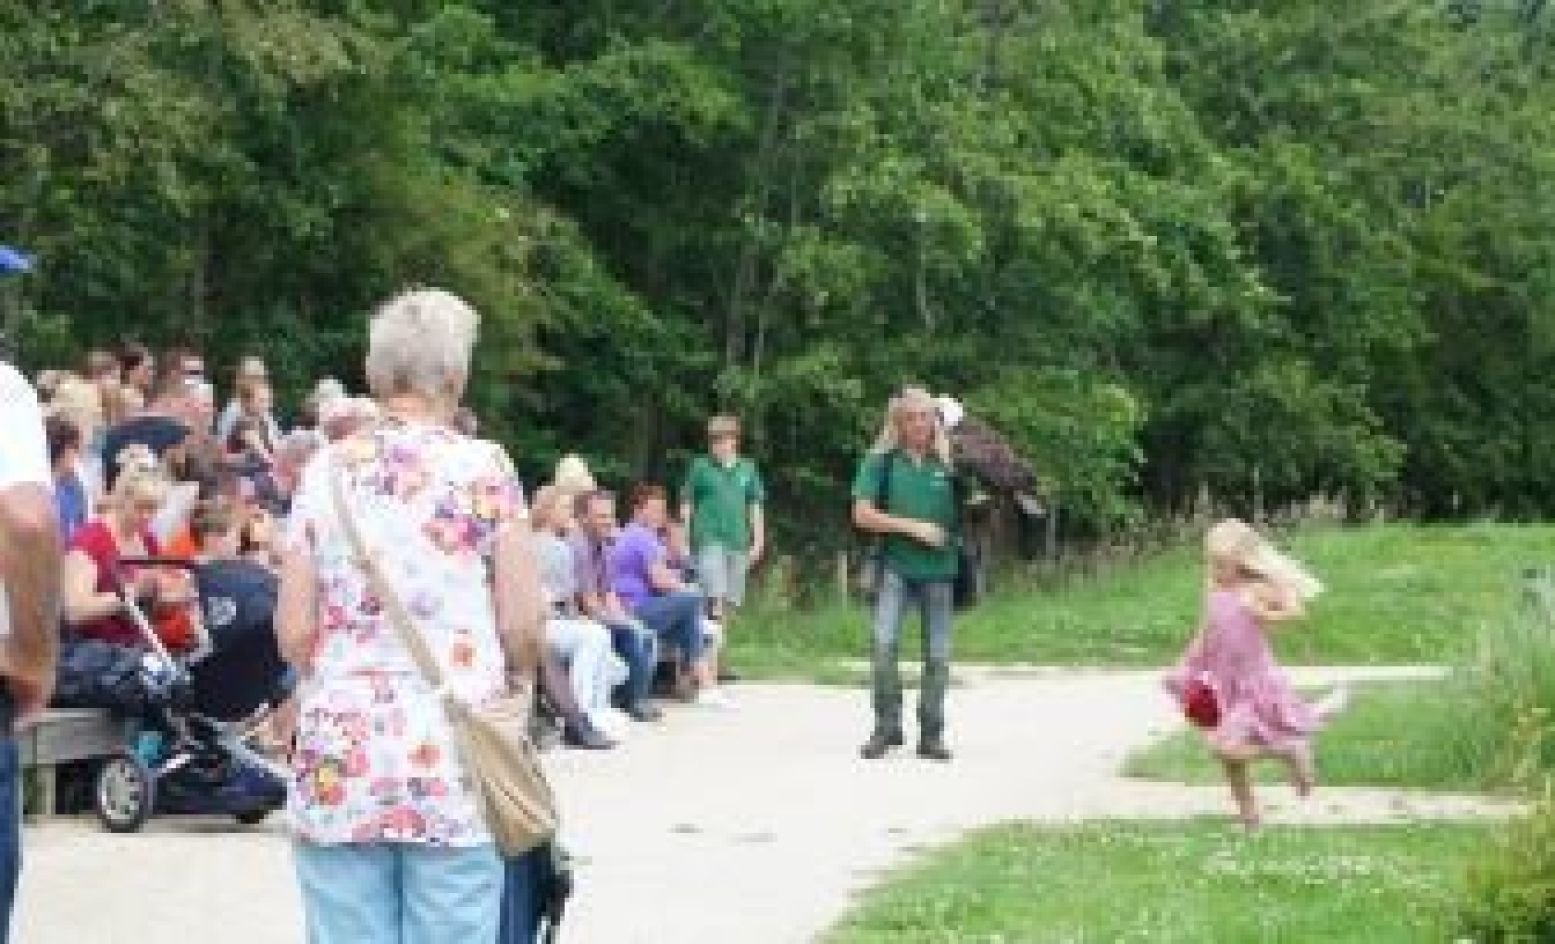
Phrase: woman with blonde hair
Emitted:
{"points": [[1228, 679], [391, 845], [92, 606], [904, 494], [80, 403]]}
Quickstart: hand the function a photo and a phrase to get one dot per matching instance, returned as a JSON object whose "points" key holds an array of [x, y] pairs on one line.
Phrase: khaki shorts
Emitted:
{"points": [[721, 573]]}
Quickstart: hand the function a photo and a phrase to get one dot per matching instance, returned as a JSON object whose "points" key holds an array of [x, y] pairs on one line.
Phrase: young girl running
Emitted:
{"points": [[1228, 678]]}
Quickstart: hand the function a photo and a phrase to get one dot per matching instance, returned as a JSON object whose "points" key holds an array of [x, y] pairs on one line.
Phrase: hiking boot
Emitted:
{"points": [[933, 748], [879, 743]]}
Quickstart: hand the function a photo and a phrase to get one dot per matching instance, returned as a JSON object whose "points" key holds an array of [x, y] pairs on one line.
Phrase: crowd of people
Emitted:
{"points": [[145, 462], [632, 598], [410, 572]]}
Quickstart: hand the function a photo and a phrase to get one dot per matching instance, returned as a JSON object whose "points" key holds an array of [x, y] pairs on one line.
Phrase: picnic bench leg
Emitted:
{"points": [[48, 785]]}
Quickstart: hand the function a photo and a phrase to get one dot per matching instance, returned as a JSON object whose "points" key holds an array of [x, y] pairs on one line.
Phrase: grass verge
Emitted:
{"points": [[1397, 735], [1182, 882], [1490, 725], [1397, 594]]}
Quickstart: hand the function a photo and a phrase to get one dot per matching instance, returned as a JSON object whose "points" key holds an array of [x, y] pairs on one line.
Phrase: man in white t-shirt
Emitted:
{"points": [[29, 601]]}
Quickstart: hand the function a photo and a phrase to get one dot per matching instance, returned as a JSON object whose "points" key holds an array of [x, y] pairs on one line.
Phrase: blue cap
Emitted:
{"points": [[12, 260]]}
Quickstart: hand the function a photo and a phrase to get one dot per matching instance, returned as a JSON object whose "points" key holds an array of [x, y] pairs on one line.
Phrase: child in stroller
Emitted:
{"points": [[191, 716]]}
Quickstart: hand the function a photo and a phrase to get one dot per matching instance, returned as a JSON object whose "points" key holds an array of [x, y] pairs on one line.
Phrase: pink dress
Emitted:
{"points": [[1258, 708]]}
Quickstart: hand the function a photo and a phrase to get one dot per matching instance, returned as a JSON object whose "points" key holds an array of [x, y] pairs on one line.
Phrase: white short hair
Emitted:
{"points": [[420, 342]]}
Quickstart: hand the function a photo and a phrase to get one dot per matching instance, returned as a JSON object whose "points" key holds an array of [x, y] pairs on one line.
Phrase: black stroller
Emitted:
{"points": [[190, 721]]}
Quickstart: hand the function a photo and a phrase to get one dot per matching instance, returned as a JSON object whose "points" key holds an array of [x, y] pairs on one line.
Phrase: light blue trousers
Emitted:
{"points": [[399, 893]]}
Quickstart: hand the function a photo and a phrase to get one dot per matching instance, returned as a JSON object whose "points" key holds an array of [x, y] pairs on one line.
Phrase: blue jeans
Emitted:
{"points": [[521, 896], [933, 599], [675, 618], [399, 893], [639, 649], [10, 829]]}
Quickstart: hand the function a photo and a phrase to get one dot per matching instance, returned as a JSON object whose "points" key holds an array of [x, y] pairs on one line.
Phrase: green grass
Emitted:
{"points": [[1401, 735], [1487, 726], [1397, 594], [1189, 882]]}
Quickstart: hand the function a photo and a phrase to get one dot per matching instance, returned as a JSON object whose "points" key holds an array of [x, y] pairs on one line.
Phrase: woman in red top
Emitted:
{"points": [[92, 606]]}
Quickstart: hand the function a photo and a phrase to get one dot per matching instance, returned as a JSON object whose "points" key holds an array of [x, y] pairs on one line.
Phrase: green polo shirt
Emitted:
{"points": [[721, 497], [919, 490]]}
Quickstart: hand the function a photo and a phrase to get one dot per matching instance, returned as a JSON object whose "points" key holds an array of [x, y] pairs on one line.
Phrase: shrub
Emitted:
{"points": [[1510, 892]]}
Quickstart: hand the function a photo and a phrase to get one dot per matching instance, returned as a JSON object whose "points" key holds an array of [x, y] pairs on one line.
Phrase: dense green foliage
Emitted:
{"points": [[1175, 883], [1261, 248]]}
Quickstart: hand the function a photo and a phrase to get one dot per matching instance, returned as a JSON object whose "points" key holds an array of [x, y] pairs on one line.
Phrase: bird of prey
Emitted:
{"points": [[978, 448]]}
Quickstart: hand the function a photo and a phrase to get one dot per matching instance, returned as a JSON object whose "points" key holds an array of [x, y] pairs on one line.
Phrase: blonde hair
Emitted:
{"points": [[80, 402], [572, 476], [1238, 543], [544, 505], [912, 399], [420, 342], [141, 478]]}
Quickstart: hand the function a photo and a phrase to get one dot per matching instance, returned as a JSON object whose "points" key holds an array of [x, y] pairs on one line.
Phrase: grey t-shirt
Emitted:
{"points": [[557, 571]]}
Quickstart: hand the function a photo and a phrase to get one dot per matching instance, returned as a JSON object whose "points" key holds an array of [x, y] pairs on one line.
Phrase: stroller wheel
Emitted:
{"points": [[252, 817], [124, 794]]}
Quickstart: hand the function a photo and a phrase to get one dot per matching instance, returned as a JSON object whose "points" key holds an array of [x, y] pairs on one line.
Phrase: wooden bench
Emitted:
{"points": [[64, 736]]}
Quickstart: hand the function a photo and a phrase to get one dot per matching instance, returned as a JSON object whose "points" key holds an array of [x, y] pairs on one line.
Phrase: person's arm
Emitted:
{"points": [[1271, 605], [296, 608], [82, 602], [297, 595], [30, 561], [867, 517], [663, 579], [518, 596], [873, 520], [758, 532]]}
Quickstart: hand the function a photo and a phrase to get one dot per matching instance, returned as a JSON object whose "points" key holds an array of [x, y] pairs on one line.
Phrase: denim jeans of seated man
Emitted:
{"points": [[933, 601], [639, 649], [676, 618]]}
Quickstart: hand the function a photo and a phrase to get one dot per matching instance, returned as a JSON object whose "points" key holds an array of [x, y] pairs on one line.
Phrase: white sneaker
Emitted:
{"points": [[714, 698], [613, 722]]}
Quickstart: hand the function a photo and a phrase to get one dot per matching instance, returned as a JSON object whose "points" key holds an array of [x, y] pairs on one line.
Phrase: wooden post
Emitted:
{"points": [[842, 576]]}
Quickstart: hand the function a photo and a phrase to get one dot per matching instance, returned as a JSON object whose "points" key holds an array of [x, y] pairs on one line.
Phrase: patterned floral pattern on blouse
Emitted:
{"points": [[375, 760]]}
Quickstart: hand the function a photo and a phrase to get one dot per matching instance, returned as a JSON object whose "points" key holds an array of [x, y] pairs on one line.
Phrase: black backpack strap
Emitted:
{"points": [[883, 495]]}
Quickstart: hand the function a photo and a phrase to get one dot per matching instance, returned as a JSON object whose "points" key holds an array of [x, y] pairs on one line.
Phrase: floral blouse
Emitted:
{"points": [[374, 759]]}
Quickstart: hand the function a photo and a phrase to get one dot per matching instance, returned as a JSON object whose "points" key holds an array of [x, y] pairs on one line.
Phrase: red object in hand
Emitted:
{"points": [[1200, 704]]}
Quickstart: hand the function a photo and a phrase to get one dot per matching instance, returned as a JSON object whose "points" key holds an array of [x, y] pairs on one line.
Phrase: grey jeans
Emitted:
{"points": [[933, 599]]}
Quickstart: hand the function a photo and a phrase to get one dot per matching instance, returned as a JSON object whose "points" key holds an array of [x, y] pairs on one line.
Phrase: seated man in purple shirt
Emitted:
{"points": [[634, 643], [655, 594]]}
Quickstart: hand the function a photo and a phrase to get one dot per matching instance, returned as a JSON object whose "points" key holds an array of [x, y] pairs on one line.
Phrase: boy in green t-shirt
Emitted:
{"points": [[721, 503], [903, 492]]}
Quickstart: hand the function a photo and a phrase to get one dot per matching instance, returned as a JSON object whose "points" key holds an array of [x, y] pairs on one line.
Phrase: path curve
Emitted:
{"points": [[757, 825]]}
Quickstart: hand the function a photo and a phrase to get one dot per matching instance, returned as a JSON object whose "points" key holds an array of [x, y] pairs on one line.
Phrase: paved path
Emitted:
{"points": [[751, 826]]}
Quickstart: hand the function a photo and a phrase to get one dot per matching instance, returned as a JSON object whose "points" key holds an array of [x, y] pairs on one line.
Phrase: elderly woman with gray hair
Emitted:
{"points": [[391, 844]]}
